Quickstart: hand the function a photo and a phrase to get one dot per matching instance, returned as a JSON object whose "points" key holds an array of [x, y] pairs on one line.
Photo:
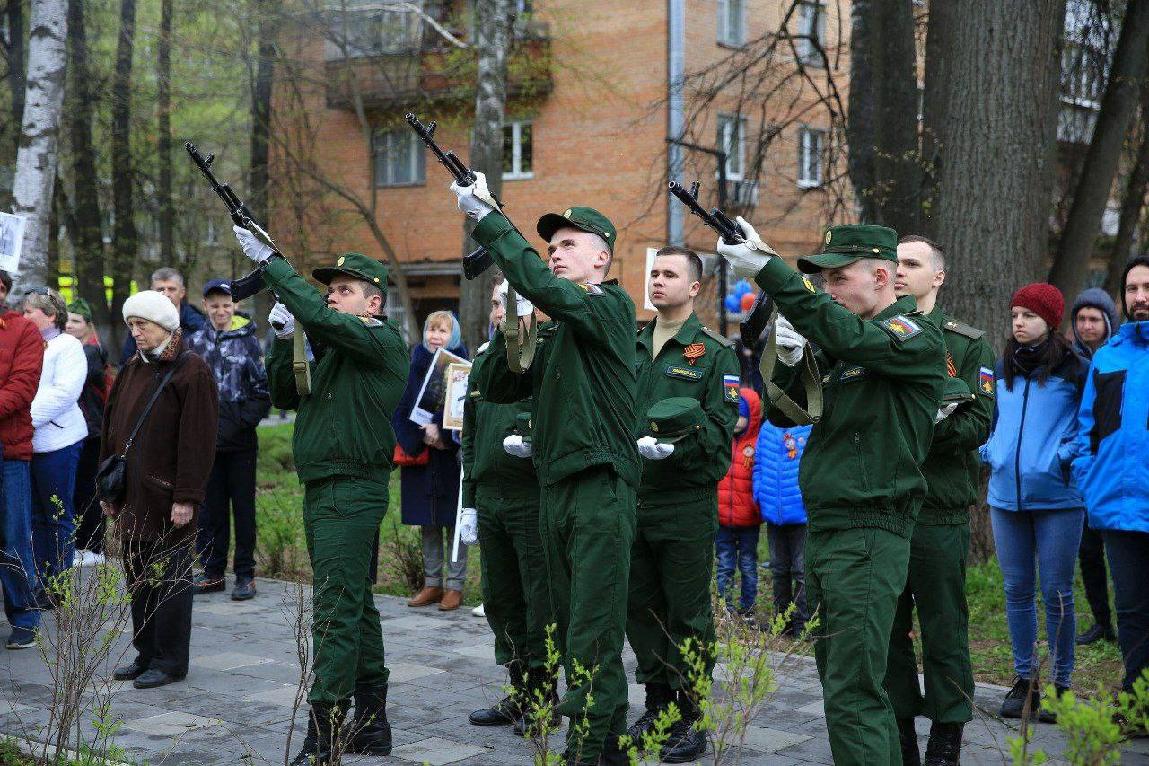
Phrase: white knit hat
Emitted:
{"points": [[153, 306]]}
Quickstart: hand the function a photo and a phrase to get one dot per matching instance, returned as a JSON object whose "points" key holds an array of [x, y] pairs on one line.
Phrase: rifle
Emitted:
{"points": [[251, 284], [479, 260], [761, 316]]}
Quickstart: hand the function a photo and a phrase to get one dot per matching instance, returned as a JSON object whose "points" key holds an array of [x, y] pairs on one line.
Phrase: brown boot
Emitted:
{"points": [[452, 599], [426, 597]]}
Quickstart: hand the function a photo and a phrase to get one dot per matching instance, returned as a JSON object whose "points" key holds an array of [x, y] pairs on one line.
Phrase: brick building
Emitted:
{"points": [[589, 112]]}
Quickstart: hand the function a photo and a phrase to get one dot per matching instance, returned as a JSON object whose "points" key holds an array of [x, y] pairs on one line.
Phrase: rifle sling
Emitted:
{"points": [[810, 377], [520, 350], [299, 365]]}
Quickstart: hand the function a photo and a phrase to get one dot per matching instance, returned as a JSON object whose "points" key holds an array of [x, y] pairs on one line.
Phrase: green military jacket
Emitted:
{"points": [[883, 381], [699, 364], [582, 378], [952, 468], [343, 427], [485, 463]]}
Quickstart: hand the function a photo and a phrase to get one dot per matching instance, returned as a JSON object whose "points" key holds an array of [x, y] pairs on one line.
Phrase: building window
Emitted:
{"points": [[368, 31], [393, 308], [518, 151], [811, 38], [732, 140], [732, 22], [399, 158], [811, 145]]}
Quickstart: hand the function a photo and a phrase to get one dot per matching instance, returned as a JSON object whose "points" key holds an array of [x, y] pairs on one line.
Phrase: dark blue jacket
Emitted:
{"points": [[776, 463], [1113, 433], [236, 361], [1031, 442], [429, 494], [191, 320]]}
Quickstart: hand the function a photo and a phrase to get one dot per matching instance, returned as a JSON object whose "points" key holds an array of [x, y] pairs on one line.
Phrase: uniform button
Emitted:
{"points": [[329, 396]]}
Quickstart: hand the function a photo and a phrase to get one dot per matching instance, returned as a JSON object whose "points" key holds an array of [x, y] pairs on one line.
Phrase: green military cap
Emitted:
{"points": [[523, 425], [846, 244], [956, 390], [354, 265], [672, 419], [81, 307], [582, 218]]}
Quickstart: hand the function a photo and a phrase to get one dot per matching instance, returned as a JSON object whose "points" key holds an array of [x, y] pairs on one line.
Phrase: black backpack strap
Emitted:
{"points": [[151, 402]]}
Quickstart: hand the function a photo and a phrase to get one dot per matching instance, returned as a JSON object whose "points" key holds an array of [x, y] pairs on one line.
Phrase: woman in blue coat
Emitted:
{"points": [[429, 490], [1036, 511]]}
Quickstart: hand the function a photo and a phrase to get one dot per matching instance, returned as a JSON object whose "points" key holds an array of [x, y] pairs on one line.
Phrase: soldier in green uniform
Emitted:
{"points": [[342, 445], [687, 384], [884, 366], [936, 584], [501, 513], [582, 381]]}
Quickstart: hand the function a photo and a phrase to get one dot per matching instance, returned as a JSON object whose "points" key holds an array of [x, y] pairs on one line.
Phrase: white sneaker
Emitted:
{"points": [[92, 559], [479, 611]]}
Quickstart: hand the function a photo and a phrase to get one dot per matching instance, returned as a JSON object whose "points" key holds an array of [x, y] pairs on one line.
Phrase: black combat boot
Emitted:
{"points": [[508, 710], [324, 728], [1024, 691], [370, 730], [908, 737], [685, 743], [612, 754], [658, 697], [540, 685], [944, 745]]}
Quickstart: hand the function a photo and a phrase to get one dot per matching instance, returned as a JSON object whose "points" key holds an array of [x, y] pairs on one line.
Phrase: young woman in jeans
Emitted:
{"points": [[1035, 509]]}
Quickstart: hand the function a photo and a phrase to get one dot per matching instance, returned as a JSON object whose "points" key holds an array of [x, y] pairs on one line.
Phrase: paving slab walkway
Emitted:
{"points": [[236, 705]]}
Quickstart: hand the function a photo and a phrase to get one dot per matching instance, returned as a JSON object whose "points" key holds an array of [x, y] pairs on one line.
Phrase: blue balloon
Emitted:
{"points": [[733, 304], [741, 287]]}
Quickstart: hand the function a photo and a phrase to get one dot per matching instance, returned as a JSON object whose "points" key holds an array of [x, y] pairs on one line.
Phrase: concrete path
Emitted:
{"points": [[235, 707]]}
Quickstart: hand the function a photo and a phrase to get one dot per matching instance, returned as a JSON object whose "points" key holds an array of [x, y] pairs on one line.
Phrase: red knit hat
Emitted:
{"points": [[1042, 299]]}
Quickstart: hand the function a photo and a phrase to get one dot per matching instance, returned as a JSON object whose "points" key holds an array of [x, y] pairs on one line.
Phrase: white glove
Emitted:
{"points": [[469, 527], [523, 307], [791, 344], [650, 449], [282, 320], [749, 256], [945, 411], [475, 200], [515, 446], [253, 247]]}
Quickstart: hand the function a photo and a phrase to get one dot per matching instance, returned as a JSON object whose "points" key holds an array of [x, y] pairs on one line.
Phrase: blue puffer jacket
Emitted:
{"points": [[1031, 444], [776, 489], [1113, 436]]}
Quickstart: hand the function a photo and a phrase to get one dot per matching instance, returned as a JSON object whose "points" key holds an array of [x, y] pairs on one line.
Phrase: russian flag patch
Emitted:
{"points": [[730, 383], [985, 380]]}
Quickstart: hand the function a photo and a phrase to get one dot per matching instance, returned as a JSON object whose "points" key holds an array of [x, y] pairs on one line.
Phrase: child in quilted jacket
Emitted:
{"points": [[739, 521], [780, 502]]}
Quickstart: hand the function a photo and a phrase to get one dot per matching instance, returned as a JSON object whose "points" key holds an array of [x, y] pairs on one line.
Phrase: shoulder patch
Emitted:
{"points": [[592, 289], [985, 382], [482, 348], [961, 328], [718, 337], [730, 384], [371, 322], [901, 327]]}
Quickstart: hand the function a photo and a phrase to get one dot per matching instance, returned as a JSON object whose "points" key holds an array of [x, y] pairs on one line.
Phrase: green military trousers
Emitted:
{"points": [[587, 524], [936, 585], [514, 579], [853, 580], [341, 518], [671, 563]]}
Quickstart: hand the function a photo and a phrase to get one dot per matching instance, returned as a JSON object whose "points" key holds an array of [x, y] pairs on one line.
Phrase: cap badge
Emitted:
{"points": [[829, 236], [340, 261], [693, 352], [808, 284], [567, 214]]}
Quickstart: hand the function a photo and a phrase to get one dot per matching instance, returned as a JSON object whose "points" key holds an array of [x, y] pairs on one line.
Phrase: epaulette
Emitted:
{"points": [[961, 328], [718, 337]]}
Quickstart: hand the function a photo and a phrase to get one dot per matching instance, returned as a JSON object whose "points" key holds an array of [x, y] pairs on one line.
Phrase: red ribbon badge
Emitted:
{"points": [[694, 352]]}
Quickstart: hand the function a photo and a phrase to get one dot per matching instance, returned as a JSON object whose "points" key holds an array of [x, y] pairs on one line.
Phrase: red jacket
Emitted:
{"points": [[736, 505], [21, 358]]}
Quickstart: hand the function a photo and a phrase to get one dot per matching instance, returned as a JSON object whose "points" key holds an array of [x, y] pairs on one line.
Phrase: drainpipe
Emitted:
{"points": [[675, 120]]}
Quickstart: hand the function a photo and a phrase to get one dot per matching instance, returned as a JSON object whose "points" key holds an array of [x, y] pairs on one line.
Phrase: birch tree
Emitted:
{"points": [[36, 156]]}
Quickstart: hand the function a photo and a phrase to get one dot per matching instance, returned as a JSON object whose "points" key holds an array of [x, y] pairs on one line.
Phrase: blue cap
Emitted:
{"points": [[218, 286]]}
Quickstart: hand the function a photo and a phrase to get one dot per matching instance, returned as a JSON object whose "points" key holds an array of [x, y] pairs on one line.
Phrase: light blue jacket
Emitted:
{"points": [[1112, 467], [776, 462], [1032, 442]]}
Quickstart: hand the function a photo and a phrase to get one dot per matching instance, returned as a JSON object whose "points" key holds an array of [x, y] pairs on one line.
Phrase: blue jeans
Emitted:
{"points": [[17, 573], [738, 546], [53, 510], [1050, 540]]}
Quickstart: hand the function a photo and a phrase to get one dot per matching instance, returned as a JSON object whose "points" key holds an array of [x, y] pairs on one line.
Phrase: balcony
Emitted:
{"points": [[435, 73]]}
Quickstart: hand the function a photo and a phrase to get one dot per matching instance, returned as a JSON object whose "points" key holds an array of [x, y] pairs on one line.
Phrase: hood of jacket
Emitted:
{"points": [[1094, 297]]}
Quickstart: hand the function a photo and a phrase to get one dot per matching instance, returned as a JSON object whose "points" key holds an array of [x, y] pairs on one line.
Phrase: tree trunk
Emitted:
{"points": [[15, 50], [164, 120], [997, 143], [1118, 105], [123, 176], [86, 235], [261, 111], [860, 129], [36, 157], [494, 20], [1131, 203], [939, 25]]}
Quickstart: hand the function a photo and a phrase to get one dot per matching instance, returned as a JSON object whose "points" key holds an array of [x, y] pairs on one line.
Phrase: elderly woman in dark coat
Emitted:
{"points": [[167, 470], [430, 491]]}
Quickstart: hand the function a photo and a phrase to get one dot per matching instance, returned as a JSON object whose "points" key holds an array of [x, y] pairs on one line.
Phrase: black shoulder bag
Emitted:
{"points": [[110, 478]]}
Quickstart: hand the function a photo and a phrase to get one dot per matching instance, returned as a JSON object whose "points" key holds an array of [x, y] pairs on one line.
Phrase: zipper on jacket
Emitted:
{"points": [[1020, 436]]}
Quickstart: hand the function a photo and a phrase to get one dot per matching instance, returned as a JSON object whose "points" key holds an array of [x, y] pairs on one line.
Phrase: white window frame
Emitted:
{"points": [[516, 173], [812, 24], [734, 145], [393, 308], [728, 9], [403, 140], [806, 146]]}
